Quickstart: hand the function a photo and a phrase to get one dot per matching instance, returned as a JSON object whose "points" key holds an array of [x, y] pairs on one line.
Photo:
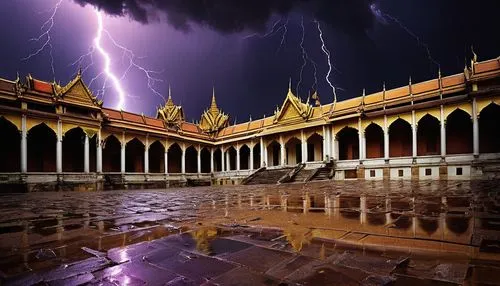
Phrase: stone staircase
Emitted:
{"points": [[266, 176], [320, 174], [302, 176]]}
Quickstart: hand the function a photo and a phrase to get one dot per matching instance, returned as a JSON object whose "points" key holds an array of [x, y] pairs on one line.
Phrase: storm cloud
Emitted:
{"points": [[228, 16]]}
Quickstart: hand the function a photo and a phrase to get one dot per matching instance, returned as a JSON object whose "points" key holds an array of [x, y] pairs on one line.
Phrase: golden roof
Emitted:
{"points": [[213, 119], [170, 113], [293, 108]]}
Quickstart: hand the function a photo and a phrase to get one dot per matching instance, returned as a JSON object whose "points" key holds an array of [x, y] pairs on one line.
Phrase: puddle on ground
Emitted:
{"points": [[52, 228]]}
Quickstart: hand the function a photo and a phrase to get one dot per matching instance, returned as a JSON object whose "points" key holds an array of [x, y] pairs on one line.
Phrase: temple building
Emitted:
{"points": [[61, 137]]}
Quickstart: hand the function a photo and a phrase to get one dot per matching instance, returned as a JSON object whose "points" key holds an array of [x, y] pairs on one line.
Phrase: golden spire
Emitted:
{"points": [[290, 84], [213, 105]]}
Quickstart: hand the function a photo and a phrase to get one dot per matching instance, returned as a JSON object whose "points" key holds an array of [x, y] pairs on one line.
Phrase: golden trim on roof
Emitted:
{"points": [[170, 113], [213, 119], [80, 93], [293, 108]]}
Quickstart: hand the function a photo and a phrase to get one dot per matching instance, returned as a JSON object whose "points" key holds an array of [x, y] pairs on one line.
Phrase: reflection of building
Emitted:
{"points": [[442, 128]]}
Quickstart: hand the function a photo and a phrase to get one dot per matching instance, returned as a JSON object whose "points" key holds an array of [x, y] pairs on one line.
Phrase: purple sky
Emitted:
{"points": [[249, 75]]}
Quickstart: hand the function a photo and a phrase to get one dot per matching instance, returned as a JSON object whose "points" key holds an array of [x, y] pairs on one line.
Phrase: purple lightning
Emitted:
{"points": [[45, 30], [328, 60], [383, 18], [305, 59]]}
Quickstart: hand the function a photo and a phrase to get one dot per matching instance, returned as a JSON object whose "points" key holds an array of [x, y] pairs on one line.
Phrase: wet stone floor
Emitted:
{"points": [[323, 233]]}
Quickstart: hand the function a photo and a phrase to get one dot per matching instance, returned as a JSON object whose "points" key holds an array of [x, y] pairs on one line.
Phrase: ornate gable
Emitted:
{"points": [[170, 113], [293, 108], [76, 92], [213, 119]]}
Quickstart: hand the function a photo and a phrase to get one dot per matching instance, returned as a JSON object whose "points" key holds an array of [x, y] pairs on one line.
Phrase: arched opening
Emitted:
{"points": [[73, 150], [134, 156], [156, 159], [428, 136], [256, 156], [458, 133], [400, 139], [191, 160], [244, 157], [205, 160], [374, 136], [348, 144], [273, 154], [489, 129], [42, 149], [293, 151], [174, 158], [230, 159], [111, 157], [218, 160], [10, 147], [315, 148]]}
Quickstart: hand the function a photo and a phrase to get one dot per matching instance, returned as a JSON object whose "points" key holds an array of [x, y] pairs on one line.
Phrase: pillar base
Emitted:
{"points": [[443, 171], [360, 172], [414, 172]]}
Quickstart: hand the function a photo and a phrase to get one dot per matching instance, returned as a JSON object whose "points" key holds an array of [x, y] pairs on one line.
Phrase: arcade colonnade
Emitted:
{"points": [[440, 132]]}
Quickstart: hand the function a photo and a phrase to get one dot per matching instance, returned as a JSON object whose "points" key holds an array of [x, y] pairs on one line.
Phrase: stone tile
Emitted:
{"points": [[244, 276], [287, 267], [130, 252], [259, 259], [369, 264]]}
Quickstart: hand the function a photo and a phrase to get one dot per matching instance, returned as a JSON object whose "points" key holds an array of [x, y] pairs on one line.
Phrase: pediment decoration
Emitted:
{"points": [[293, 108], [77, 92], [170, 113], [213, 119]]}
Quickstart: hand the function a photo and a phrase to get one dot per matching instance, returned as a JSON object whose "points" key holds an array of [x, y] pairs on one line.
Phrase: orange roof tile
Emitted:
{"points": [[132, 117], [453, 80], [189, 127], [240, 127], [374, 98], [42, 86], [397, 93], [112, 114], [268, 121], [154, 122], [255, 124], [347, 104], [6, 85], [425, 86], [487, 66]]}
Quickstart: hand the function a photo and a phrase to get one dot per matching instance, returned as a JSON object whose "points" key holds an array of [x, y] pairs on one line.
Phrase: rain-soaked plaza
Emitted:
{"points": [[349, 233]]}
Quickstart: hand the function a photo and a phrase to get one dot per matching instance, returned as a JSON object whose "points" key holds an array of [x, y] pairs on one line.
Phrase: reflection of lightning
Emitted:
{"points": [[45, 30], [305, 58], [107, 62], [328, 60], [382, 17]]}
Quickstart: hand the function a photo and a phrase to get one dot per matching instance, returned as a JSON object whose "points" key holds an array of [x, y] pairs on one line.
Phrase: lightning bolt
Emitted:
{"points": [[305, 59], [328, 60], [86, 60], [283, 36], [107, 62], [268, 33], [382, 17], [45, 37]]}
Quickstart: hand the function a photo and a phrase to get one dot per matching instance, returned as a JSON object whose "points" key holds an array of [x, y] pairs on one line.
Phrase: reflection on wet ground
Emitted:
{"points": [[351, 232]]}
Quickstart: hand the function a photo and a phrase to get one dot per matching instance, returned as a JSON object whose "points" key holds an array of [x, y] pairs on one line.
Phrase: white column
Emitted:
{"points": [[212, 168], [98, 159], [282, 151], [183, 159], [122, 157], [24, 145], [250, 161], [198, 160], [443, 133], [238, 158], [386, 139], [223, 165], [303, 144], [266, 161], [361, 134], [334, 144], [166, 161], [325, 144], [59, 147], [413, 134], [86, 154], [262, 156], [146, 159], [228, 161], [475, 128]]}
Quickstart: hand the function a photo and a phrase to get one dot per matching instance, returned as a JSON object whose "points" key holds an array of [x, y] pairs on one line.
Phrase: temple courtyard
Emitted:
{"points": [[330, 232]]}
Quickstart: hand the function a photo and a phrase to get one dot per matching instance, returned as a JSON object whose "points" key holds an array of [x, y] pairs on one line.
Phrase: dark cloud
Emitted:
{"points": [[228, 16]]}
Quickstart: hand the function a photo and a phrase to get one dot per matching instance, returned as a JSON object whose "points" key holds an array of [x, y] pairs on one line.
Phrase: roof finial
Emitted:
{"points": [[79, 73], [439, 71], [474, 55], [169, 92], [17, 77], [213, 104], [290, 84]]}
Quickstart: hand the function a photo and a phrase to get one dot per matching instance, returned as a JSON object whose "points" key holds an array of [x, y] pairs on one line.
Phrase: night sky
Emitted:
{"points": [[197, 44]]}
